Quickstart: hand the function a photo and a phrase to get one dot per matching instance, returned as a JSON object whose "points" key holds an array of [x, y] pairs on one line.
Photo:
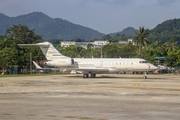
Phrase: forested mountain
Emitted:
{"points": [[169, 29], [165, 31], [62, 29], [48, 27], [126, 31]]}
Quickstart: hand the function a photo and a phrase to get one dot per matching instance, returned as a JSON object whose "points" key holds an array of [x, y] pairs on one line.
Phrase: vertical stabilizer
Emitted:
{"points": [[50, 52]]}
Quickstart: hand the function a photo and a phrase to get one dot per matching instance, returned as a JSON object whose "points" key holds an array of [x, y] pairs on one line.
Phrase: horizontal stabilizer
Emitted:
{"points": [[37, 66], [38, 44], [33, 45]]}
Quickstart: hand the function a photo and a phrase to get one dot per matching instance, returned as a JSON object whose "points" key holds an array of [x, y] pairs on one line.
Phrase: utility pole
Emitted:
{"points": [[101, 52], [30, 63], [91, 52]]}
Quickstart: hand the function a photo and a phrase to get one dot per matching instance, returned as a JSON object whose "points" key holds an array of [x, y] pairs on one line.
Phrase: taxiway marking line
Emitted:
{"points": [[76, 117], [29, 115], [117, 83], [96, 85]]}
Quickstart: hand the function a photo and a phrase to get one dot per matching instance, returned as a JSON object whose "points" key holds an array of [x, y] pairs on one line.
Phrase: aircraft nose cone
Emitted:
{"points": [[152, 67]]}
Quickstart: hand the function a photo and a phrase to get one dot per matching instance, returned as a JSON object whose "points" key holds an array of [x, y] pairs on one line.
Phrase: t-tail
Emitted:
{"points": [[50, 52]]}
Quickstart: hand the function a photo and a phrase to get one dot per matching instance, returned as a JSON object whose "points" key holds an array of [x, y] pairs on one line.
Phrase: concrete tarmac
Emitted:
{"points": [[106, 97]]}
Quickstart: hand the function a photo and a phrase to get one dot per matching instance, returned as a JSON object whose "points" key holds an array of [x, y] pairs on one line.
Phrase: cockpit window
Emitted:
{"points": [[143, 62]]}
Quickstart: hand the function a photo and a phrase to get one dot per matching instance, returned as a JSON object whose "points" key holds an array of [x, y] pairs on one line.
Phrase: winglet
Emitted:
{"points": [[37, 66]]}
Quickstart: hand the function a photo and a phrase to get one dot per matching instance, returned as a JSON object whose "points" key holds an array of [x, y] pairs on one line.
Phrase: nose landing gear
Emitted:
{"points": [[145, 77]]}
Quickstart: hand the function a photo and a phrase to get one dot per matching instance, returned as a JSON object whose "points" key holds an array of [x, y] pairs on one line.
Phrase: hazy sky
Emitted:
{"points": [[106, 16]]}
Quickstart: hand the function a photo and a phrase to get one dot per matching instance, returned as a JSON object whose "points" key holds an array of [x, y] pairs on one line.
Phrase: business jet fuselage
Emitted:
{"points": [[92, 66]]}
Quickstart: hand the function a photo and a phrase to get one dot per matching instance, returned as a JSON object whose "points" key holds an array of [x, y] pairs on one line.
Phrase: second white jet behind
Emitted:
{"points": [[91, 66]]}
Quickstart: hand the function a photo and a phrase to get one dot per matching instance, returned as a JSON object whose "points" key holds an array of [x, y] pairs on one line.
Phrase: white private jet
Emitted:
{"points": [[91, 66]]}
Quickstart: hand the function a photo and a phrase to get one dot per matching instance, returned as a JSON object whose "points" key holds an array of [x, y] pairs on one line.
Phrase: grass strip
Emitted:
{"points": [[22, 75]]}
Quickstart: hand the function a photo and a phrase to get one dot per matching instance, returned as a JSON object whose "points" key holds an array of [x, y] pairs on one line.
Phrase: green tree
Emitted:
{"points": [[70, 51], [149, 53], [89, 46], [106, 37], [9, 54], [12, 54], [170, 45], [141, 38], [127, 50], [160, 48], [78, 40], [96, 53], [22, 35], [174, 58], [83, 53], [111, 50], [55, 42], [110, 41]]}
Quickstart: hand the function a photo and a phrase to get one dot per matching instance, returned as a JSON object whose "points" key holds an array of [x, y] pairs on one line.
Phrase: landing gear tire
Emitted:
{"points": [[85, 76], [93, 75], [145, 77]]}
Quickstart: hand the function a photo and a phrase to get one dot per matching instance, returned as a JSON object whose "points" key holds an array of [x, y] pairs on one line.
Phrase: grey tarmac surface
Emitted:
{"points": [[107, 97]]}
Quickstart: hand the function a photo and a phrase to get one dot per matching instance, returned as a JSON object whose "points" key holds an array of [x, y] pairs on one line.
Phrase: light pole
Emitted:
{"points": [[101, 49], [101, 52], [30, 63], [91, 52]]}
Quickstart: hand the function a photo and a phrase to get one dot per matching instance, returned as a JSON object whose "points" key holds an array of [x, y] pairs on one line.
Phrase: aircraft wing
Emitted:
{"points": [[78, 69], [90, 69]]}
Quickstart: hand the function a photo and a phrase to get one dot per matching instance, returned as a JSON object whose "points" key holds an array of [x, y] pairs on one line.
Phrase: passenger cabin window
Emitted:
{"points": [[143, 62]]}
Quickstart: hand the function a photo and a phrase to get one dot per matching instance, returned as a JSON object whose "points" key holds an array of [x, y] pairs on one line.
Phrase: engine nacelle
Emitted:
{"points": [[61, 62]]}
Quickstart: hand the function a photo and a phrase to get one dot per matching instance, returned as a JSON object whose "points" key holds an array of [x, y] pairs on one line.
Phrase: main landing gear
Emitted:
{"points": [[87, 75]]}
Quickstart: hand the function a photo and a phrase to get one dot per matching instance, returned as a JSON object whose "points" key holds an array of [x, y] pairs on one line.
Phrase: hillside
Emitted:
{"points": [[126, 31], [166, 30], [48, 27]]}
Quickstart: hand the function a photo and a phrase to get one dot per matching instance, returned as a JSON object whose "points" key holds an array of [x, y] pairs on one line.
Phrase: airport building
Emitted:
{"points": [[96, 44], [126, 42]]}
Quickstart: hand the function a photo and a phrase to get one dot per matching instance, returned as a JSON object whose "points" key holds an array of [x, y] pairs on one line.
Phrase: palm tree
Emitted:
{"points": [[110, 41], [90, 45], [170, 45], [141, 39], [160, 48]]}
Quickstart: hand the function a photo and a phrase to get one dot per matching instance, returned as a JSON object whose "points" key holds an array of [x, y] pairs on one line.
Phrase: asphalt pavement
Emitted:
{"points": [[106, 97]]}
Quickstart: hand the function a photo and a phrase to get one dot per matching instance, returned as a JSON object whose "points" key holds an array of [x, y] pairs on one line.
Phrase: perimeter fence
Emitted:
{"points": [[13, 70]]}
